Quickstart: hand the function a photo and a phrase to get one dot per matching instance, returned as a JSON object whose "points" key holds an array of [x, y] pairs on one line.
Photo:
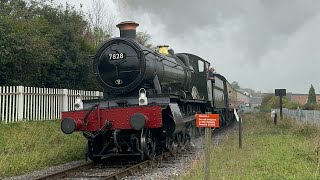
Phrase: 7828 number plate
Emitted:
{"points": [[117, 56]]}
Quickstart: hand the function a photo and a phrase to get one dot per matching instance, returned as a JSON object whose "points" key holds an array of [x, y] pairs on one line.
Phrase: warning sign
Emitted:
{"points": [[207, 120]]}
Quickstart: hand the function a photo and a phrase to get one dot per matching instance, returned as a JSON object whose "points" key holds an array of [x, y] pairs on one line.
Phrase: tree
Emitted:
{"points": [[101, 22], [270, 101], [44, 45], [73, 68], [235, 85], [27, 43], [312, 99], [144, 38], [266, 99]]}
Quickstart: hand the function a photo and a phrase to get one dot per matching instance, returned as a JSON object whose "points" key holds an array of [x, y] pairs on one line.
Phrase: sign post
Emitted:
{"points": [[207, 146], [207, 121], [240, 126], [280, 93]]}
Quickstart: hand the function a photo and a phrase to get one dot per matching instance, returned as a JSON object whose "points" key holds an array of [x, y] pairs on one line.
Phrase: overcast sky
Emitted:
{"points": [[263, 45]]}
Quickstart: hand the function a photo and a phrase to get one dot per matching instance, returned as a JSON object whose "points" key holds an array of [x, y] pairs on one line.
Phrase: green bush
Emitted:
{"points": [[291, 105], [273, 102], [44, 45], [311, 106]]}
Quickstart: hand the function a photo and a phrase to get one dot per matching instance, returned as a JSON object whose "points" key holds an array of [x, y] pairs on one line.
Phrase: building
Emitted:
{"points": [[300, 98], [243, 100], [255, 101]]}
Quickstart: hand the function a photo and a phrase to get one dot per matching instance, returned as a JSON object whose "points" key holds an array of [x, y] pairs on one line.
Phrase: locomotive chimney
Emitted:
{"points": [[128, 29]]}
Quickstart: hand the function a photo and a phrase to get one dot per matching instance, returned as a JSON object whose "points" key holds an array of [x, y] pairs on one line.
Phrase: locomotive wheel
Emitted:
{"points": [[148, 143]]}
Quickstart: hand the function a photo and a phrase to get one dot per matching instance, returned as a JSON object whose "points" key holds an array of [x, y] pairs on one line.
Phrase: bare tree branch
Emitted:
{"points": [[102, 22], [143, 38]]}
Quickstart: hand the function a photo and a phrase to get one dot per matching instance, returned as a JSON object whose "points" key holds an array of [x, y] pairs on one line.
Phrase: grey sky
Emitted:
{"points": [[263, 45]]}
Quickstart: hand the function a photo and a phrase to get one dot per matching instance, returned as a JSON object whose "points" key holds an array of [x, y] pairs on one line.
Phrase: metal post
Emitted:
{"points": [[281, 107], [207, 153], [207, 146], [314, 116], [240, 133], [275, 119]]}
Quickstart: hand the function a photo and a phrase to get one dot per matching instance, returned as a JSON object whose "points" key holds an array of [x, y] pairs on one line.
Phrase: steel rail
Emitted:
{"points": [[117, 175], [64, 173], [138, 167]]}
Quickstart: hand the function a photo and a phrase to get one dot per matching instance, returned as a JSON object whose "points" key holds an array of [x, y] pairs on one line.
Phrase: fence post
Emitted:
{"points": [[299, 114], [65, 100], [306, 119], [20, 103]]}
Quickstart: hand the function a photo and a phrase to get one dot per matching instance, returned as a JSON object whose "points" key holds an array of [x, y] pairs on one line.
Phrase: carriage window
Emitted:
{"points": [[201, 66]]}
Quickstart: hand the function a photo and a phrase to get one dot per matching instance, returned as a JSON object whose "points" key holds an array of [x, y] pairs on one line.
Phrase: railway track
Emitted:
{"points": [[107, 173], [64, 173], [127, 169]]}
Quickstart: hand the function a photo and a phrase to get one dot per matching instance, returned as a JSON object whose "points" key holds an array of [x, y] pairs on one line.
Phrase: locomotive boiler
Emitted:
{"points": [[122, 65], [150, 99]]}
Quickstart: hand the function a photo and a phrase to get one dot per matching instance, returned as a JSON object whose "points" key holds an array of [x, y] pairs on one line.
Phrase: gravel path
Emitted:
{"points": [[170, 169]]}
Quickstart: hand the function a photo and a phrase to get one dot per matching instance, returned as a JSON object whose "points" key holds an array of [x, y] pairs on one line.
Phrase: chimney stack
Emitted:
{"points": [[128, 29]]}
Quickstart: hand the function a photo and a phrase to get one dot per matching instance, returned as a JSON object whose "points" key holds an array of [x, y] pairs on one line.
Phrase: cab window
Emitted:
{"points": [[201, 66]]}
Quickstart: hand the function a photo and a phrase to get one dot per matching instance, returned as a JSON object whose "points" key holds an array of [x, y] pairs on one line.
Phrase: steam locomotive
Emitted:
{"points": [[150, 99]]}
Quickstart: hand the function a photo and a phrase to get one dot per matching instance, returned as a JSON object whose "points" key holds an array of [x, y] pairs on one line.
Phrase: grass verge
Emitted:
{"points": [[287, 151], [28, 146]]}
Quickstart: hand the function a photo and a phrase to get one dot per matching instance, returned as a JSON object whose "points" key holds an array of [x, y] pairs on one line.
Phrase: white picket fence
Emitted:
{"points": [[310, 116], [19, 103]]}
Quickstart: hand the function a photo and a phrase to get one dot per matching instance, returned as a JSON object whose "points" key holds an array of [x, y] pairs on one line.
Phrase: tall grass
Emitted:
{"points": [[27, 146], [286, 151]]}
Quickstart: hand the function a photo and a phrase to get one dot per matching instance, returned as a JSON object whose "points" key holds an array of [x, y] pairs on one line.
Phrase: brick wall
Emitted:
{"points": [[302, 98]]}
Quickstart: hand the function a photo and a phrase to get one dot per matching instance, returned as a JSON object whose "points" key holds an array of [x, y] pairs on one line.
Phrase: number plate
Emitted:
{"points": [[117, 56]]}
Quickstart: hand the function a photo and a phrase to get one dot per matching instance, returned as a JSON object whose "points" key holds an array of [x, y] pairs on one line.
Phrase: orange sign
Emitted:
{"points": [[207, 120]]}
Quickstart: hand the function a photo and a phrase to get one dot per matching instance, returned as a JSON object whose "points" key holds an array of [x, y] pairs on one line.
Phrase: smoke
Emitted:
{"points": [[241, 38]]}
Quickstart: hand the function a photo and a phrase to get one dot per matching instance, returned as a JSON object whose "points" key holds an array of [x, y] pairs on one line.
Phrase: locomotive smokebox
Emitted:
{"points": [[128, 29]]}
